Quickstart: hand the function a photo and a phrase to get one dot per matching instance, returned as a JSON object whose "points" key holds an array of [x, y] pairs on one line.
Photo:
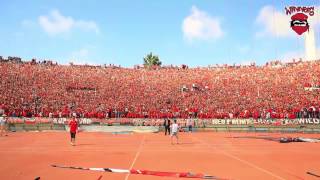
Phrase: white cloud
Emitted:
{"points": [[275, 23], [201, 26], [55, 23]]}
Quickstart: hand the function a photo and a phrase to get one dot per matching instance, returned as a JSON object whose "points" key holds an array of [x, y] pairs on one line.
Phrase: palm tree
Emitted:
{"points": [[151, 60]]}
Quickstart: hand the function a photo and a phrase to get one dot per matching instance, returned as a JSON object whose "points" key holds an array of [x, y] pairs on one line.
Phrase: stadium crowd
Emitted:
{"points": [[46, 89]]}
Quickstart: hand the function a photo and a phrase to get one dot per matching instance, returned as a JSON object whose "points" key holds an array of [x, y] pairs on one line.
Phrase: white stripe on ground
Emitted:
{"points": [[120, 170], [136, 157], [241, 160]]}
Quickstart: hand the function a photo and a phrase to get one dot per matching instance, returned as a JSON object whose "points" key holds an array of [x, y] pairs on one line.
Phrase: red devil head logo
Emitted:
{"points": [[299, 23]]}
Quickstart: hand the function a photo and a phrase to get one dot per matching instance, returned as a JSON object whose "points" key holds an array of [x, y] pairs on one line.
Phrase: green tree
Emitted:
{"points": [[151, 60]]}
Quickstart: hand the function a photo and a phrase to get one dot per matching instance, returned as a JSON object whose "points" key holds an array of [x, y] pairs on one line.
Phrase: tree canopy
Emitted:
{"points": [[151, 60]]}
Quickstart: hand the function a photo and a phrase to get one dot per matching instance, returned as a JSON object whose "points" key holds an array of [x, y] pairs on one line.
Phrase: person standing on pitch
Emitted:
{"points": [[73, 125], [174, 131], [3, 125], [189, 124], [166, 125]]}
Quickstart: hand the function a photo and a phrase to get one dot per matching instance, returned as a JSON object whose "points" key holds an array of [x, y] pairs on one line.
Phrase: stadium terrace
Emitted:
{"points": [[46, 89]]}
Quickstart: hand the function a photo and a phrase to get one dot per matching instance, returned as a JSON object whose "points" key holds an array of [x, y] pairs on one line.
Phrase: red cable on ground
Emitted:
{"points": [[146, 172]]}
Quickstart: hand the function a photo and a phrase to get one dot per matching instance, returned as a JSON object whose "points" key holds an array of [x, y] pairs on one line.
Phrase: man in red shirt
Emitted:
{"points": [[73, 125]]}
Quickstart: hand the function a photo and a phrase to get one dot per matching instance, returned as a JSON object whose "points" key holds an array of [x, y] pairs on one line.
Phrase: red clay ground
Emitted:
{"points": [[29, 154]]}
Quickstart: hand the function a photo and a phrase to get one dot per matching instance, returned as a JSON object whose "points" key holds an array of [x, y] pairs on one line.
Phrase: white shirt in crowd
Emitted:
{"points": [[174, 128]]}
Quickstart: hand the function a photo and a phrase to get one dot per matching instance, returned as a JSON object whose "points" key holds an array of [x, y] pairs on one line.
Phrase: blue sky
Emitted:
{"points": [[197, 33]]}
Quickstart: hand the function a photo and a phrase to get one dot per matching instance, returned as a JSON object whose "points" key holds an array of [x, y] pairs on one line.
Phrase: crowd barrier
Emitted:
{"points": [[159, 122], [242, 125]]}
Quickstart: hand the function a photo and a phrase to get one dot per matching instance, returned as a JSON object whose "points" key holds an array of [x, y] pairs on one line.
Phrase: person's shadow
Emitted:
{"points": [[85, 144], [186, 143]]}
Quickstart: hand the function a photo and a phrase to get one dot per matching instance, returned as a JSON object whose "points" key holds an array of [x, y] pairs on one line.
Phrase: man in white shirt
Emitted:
{"points": [[189, 124], [174, 131]]}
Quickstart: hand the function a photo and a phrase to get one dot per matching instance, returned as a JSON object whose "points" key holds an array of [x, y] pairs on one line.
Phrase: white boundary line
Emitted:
{"points": [[241, 160], [136, 157]]}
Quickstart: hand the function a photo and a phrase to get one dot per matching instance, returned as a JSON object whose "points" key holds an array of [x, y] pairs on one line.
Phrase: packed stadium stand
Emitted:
{"points": [[46, 89]]}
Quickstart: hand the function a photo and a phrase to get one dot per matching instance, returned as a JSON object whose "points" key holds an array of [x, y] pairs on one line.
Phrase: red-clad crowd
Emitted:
{"points": [[49, 90]]}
